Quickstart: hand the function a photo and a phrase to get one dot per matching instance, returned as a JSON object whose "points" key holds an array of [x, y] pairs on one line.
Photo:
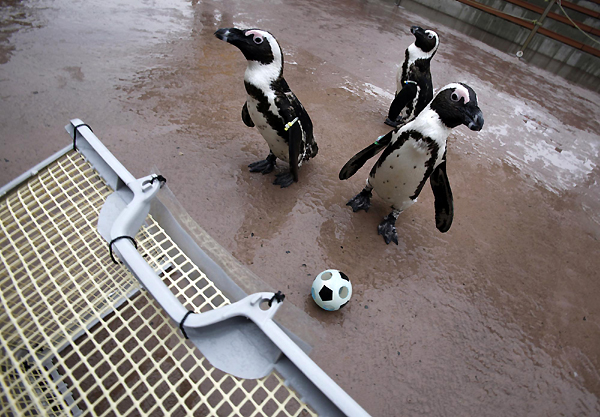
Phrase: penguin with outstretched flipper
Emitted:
{"points": [[271, 106], [414, 88], [414, 153]]}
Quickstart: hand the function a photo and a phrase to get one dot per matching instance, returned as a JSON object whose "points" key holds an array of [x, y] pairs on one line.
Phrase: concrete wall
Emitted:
{"points": [[573, 64]]}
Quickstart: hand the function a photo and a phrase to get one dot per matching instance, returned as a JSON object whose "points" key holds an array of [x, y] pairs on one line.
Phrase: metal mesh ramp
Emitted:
{"points": [[79, 337]]}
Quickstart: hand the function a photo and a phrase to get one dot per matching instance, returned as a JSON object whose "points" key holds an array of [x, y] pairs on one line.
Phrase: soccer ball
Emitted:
{"points": [[331, 290]]}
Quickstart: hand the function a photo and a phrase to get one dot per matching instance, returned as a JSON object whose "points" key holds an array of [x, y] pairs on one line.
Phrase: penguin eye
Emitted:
{"points": [[258, 40], [454, 97], [430, 36]]}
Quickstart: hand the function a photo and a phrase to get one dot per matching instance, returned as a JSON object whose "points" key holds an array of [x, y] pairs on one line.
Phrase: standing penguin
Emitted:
{"points": [[271, 106], [413, 153], [414, 89]]}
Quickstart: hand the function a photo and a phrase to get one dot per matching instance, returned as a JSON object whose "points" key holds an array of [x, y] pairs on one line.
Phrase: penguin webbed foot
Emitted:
{"points": [[265, 166], [387, 229], [361, 201], [285, 179], [392, 123], [398, 121]]}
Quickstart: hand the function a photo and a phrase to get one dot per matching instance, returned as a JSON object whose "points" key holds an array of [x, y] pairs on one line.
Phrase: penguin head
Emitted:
{"points": [[456, 104], [426, 40], [256, 45]]}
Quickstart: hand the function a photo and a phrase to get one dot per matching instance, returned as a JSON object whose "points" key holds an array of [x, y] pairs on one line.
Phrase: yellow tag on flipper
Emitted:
{"points": [[290, 124]]}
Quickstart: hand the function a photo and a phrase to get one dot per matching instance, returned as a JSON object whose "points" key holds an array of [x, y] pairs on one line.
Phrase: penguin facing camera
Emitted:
{"points": [[414, 88], [414, 153], [270, 105]]}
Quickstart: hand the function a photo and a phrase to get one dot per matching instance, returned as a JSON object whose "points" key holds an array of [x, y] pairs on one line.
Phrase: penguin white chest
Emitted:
{"points": [[402, 173], [276, 143]]}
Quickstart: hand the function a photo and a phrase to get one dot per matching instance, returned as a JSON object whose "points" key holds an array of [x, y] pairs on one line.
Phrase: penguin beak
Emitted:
{"points": [[229, 35], [235, 37], [415, 29], [474, 119]]}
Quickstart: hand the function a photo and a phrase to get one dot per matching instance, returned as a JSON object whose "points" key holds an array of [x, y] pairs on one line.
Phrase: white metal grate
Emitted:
{"points": [[79, 337]]}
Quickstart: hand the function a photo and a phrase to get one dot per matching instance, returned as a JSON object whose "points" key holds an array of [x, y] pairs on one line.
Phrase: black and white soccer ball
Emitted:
{"points": [[331, 290]]}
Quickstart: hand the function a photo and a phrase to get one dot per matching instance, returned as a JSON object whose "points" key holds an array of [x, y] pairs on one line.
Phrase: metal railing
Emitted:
{"points": [[536, 25]]}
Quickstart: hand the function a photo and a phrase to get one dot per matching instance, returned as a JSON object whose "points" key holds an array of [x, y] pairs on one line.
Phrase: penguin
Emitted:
{"points": [[270, 105], [414, 89], [414, 153]]}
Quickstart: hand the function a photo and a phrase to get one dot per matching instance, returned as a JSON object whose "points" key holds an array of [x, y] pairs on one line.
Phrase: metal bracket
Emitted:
{"points": [[240, 338]]}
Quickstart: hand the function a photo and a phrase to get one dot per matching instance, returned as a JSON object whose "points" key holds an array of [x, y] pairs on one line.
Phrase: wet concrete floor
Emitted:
{"points": [[500, 316]]}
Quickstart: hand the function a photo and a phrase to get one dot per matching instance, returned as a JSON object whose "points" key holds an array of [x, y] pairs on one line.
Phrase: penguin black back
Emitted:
{"points": [[414, 87]]}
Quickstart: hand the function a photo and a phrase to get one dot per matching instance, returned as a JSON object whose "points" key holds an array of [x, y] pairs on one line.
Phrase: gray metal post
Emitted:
{"points": [[535, 28]]}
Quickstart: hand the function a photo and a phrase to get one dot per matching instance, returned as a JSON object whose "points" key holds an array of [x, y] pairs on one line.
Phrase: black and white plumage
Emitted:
{"points": [[414, 88], [413, 153], [270, 105]]}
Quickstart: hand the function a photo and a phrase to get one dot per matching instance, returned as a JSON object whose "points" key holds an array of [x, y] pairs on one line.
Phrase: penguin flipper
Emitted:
{"points": [[294, 126], [295, 143], [444, 206], [246, 116], [286, 99], [357, 161], [403, 97], [303, 116]]}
